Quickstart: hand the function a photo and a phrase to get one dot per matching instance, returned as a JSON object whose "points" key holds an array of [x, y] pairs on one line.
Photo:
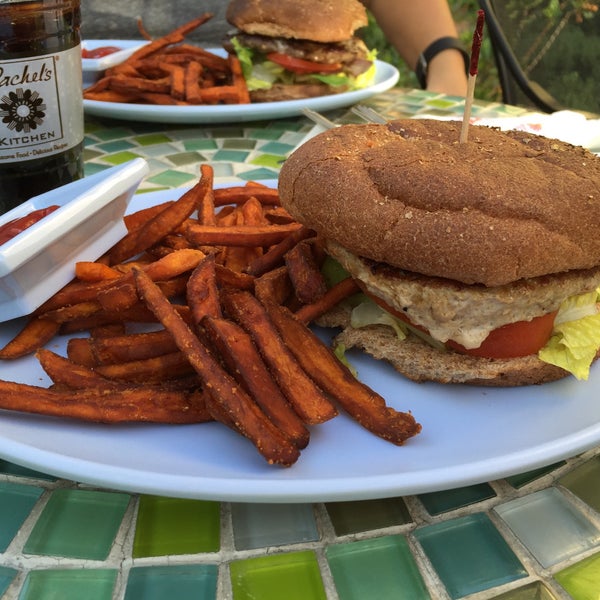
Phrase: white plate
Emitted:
{"points": [[470, 435], [386, 76]]}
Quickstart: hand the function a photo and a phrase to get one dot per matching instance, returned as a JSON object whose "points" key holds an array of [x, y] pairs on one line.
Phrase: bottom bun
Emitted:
{"points": [[420, 362]]}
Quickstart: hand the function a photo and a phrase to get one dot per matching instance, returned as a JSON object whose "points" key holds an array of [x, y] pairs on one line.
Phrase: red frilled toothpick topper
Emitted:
{"points": [[473, 66]]}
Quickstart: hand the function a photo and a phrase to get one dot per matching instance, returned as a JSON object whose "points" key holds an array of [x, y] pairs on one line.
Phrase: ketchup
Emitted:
{"points": [[99, 52], [12, 228]]}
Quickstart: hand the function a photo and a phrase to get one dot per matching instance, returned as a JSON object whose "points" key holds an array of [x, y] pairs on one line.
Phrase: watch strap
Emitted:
{"points": [[437, 46]]}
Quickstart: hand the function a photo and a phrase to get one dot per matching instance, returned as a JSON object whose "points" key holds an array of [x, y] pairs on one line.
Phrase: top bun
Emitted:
{"points": [[315, 20], [501, 207]]}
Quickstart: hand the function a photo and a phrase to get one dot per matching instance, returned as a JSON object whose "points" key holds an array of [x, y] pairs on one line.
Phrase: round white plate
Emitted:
{"points": [[470, 435], [386, 76]]}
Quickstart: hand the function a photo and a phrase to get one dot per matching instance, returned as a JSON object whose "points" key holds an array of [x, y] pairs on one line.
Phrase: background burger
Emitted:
{"points": [[290, 49], [483, 256]]}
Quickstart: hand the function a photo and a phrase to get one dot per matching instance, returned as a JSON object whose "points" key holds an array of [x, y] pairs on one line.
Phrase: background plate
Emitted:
{"points": [[386, 76], [470, 435]]}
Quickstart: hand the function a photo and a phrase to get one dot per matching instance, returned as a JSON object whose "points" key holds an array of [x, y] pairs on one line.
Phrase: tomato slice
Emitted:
{"points": [[512, 340], [509, 341], [301, 66], [99, 52], [12, 228]]}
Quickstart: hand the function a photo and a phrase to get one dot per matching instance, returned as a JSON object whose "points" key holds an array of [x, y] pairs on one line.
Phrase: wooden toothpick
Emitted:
{"points": [[475, 48]]}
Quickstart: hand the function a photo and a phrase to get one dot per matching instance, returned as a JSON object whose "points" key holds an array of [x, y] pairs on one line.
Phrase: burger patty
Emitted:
{"points": [[336, 52], [451, 310]]}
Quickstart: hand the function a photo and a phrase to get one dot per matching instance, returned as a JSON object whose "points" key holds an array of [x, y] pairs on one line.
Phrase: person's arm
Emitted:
{"points": [[411, 26]]}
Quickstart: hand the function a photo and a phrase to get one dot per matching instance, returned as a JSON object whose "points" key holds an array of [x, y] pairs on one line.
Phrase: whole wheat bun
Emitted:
{"points": [[316, 20], [501, 207]]}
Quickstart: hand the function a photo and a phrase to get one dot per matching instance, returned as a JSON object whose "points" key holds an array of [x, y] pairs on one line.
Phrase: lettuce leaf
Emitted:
{"points": [[576, 336]]}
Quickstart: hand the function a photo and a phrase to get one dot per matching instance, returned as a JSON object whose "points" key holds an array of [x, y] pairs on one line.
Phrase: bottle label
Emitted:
{"points": [[41, 105]]}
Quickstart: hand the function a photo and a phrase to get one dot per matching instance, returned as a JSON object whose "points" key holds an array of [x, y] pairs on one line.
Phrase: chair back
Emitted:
{"points": [[547, 53]]}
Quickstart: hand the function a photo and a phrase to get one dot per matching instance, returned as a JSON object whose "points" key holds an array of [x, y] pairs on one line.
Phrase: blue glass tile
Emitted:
{"points": [[16, 502], [13, 469], [262, 525], [440, 502], [69, 584], [258, 174], [469, 554], [179, 582]]}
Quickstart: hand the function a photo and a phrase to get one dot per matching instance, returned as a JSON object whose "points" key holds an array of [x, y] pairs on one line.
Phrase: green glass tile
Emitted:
{"points": [[223, 170], [10, 468], [269, 160], [584, 482], [235, 156], [185, 158], [549, 526], [6, 576], [180, 582], [258, 174], [265, 134], [581, 580], [277, 148], [239, 144], [172, 178], [293, 576], [115, 146], [365, 515], [152, 138], [90, 168], [227, 131], [159, 152], [16, 502], [113, 133], [441, 502], [263, 525], [532, 591], [176, 526], [376, 569], [200, 145], [120, 157], [78, 524], [69, 584], [469, 554], [89, 154], [518, 481]]}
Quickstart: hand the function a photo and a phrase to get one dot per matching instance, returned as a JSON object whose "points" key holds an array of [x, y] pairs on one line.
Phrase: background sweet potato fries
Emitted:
{"points": [[200, 313], [168, 71]]}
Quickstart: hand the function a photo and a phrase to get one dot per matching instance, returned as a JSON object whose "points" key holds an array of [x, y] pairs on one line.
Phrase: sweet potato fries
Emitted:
{"points": [[200, 314], [168, 71]]}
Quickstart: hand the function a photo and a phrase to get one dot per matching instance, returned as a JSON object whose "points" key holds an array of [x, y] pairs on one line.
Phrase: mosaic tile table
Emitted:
{"points": [[535, 536]]}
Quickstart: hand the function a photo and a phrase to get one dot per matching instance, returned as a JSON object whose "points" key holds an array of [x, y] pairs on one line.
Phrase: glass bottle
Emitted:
{"points": [[41, 105]]}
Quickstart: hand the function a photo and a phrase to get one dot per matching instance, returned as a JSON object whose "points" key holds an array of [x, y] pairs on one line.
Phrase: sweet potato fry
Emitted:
{"points": [[274, 285], [149, 370], [231, 399], [229, 278], [94, 271], [252, 236], [239, 194], [202, 293], [160, 225], [309, 402], [334, 295], [36, 333], [366, 406], [274, 257], [305, 274], [243, 361], [122, 348], [135, 220], [206, 202], [239, 82], [104, 405]]}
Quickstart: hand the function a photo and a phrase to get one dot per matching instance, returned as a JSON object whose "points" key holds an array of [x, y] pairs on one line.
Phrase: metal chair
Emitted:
{"points": [[547, 56]]}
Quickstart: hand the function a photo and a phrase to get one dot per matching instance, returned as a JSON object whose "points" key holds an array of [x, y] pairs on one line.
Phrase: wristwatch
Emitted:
{"points": [[439, 45]]}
